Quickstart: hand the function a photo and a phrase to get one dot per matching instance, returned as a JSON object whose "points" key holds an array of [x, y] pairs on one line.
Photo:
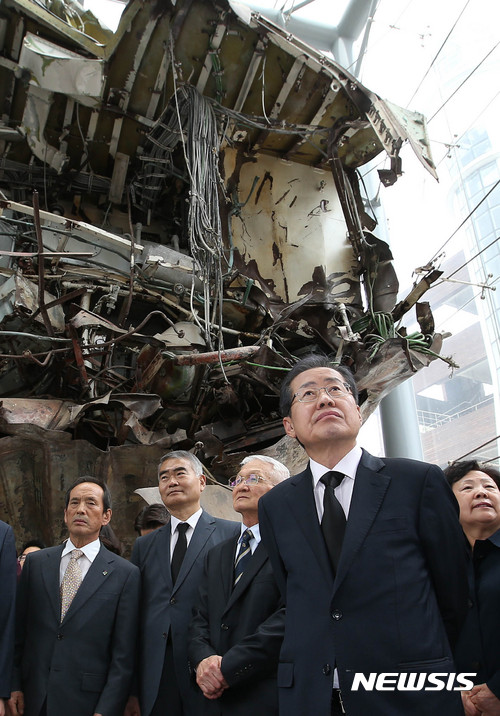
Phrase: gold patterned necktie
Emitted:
{"points": [[71, 581]]}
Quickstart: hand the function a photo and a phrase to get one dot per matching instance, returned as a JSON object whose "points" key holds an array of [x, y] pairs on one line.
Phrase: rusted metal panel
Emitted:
{"points": [[200, 224]]}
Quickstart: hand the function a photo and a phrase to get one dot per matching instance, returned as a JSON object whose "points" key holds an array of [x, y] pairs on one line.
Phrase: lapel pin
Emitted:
{"points": [[105, 572]]}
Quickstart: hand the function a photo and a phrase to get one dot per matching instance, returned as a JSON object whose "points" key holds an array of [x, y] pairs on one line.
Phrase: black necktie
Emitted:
{"points": [[333, 522], [243, 557], [179, 550]]}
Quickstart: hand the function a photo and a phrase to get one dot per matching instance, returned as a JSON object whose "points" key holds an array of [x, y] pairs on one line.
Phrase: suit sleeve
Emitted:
{"points": [[199, 646], [257, 653], [269, 541], [8, 576], [123, 647], [445, 549]]}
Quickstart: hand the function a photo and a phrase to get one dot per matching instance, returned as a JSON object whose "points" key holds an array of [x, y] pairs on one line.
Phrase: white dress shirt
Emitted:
{"points": [[348, 466], [90, 552], [174, 535], [253, 542]]}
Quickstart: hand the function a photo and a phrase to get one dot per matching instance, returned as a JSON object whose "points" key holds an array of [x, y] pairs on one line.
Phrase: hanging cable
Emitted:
{"points": [[463, 306], [464, 221], [473, 257], [438, 52], [393, 26], [471, 124], [465, 80], [479, 447]]}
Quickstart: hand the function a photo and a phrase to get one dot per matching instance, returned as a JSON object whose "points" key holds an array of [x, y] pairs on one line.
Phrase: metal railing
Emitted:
{"points": [[428, 420]]}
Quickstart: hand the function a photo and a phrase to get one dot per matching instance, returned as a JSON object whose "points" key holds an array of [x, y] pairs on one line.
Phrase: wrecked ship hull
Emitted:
{"points": [[181, 218]]}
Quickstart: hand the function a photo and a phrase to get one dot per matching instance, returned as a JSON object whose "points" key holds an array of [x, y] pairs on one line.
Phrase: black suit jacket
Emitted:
{"points": [[167, 608], [245, 626], [398, 597], [478, 648], [84, 664], [8, 572]]}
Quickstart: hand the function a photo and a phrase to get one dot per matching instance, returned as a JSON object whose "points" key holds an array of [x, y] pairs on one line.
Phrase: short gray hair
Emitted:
{"points": [[279, 472], [184, 455]]}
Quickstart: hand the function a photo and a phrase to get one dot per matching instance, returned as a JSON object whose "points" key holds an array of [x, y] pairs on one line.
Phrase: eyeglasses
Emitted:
{"points": [[334, 390], [248, 480]]}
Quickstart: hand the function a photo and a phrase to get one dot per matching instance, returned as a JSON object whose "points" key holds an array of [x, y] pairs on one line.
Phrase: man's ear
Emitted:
{"points": [[203, 482], [289, 430], [106, 517]]}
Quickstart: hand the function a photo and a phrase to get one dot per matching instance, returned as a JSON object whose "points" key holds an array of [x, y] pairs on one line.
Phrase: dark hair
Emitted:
{"points": [[184, 455], [32, 543], [106, 496], [461, 468], [109, 539], [151, 517], [315, 360]]}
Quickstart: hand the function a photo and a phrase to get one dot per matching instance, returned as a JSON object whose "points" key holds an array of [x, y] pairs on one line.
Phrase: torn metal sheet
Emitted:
{"points": [[183, 216], [57, 69], [19, 300]]}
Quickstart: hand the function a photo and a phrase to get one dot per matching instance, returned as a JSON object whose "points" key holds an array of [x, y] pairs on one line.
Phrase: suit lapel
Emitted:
{"points": [[258, 559], [369, 491], [201, 534], [161, 553], [50, 577], [99, 571], [301, 503], [226, 564]]}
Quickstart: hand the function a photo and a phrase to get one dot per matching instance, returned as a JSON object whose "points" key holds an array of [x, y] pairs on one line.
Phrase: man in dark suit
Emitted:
{"points": [[370, 560], [171, 562], [8, 571], [76, 622], [238, 622]]}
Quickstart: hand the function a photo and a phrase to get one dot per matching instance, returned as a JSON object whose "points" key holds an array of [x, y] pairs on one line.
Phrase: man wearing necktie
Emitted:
{"points": [[171, 563], [238, 621], [77, 617], [370, 559]]}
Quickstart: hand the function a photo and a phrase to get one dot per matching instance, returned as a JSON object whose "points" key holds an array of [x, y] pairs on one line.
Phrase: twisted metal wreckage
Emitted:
{"points": [[181, 217]]}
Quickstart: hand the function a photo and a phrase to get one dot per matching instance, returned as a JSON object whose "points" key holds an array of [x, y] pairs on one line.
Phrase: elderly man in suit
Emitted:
{"points": [[171, 562], [77, 618], [238, 621], [370, 557], [8, 570]]}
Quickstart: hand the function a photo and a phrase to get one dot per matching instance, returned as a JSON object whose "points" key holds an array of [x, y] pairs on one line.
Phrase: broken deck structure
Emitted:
{"points": [[181, 218]]}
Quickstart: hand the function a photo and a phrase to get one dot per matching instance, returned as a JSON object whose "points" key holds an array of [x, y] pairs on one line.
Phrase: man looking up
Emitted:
{"points": [[76, 621], [171, 563], [238, 622], [370, 558]]}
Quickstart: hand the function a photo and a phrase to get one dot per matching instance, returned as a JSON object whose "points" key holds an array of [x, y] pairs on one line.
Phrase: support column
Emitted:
{"points": [[398, 416]]}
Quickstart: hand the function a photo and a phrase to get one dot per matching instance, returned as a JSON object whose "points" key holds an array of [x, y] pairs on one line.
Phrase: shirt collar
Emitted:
{"points": [[191, 521], [255, 531], [90, 550], [348, 465], [495, 538]]}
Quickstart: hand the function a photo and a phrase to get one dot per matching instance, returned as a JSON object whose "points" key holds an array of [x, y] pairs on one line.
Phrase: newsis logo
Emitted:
{"points": [[412, 681]]}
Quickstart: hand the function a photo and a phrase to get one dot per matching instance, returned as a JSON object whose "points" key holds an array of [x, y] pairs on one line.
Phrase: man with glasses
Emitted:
{"points": [[171, 562], [238, 622], [370, 559]]}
